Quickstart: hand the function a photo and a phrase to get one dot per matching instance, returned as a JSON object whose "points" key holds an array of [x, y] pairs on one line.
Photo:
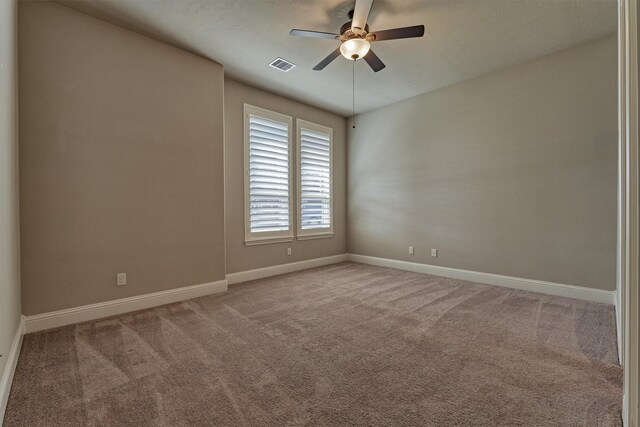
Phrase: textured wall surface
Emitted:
{"points": [[121, 162], [511, 173], [239, 256], [9, 233]]}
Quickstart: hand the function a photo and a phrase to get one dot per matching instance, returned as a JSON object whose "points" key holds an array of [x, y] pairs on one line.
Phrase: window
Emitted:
{"points": [[315, 180], [268, 213]]}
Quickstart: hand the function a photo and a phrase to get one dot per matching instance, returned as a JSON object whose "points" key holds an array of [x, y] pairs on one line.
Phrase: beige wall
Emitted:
{"points": [[511, 173], [122, 168], [239, 256], [9, 233], [121, 162]]}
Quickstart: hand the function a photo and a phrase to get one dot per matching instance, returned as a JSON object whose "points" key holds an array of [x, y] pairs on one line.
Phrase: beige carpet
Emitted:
{"points": [[346, 344]]}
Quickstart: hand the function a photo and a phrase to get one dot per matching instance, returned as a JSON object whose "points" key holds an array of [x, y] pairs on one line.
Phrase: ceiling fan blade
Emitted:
{"points": [[361, 13], [374, 62], [316, 34], [326, 61], [398, 33]]}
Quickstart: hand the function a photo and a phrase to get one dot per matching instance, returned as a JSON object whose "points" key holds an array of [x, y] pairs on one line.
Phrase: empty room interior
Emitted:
{"points": [[319, 213]]}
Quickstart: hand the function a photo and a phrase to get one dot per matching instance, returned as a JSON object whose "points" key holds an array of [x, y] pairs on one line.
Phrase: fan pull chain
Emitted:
{"points": [[353, 96]]}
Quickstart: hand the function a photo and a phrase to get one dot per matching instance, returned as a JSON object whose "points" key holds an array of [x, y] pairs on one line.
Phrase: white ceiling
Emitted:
{"points": [[464, 39]]}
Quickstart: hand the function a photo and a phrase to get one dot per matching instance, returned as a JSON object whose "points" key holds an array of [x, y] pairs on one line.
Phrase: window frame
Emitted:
{"points": [[265, 237], [313, 233]]}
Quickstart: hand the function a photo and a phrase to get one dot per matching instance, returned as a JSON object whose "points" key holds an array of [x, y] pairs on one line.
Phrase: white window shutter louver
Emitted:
{"points": [[315, 179], [268, 169]]}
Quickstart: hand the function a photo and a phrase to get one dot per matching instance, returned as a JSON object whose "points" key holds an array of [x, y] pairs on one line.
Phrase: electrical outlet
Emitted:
{"points": [[434, 253], [289, 251], [410, 250], [121, 279]]}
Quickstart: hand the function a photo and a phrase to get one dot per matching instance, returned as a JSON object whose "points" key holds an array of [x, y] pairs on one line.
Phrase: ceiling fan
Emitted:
{"points": [[356, 39]]}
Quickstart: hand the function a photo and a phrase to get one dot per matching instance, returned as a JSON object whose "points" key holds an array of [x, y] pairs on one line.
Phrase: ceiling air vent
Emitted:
{"points": [[282, 64]]}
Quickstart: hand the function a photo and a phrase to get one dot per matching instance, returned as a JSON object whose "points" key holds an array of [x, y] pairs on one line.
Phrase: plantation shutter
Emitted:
{"points": [[315, 179], [268, 175]]}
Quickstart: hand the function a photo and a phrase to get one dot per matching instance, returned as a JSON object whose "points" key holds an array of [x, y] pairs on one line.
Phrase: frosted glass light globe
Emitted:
{"points": [[354, 48]]}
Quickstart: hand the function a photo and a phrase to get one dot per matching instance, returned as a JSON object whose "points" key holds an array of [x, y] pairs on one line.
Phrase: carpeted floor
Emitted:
{"points": [[346, 344]]}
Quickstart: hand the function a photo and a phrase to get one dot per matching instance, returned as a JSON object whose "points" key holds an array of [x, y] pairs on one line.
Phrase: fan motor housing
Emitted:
{"points": [[347, 33]]}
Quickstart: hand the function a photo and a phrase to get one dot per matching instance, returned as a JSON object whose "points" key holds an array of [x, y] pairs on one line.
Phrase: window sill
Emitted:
{"points": [[267, 240], [315, 236]]}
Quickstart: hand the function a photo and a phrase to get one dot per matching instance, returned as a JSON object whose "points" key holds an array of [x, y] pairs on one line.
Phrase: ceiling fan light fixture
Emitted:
{"points": [[356, 38], [354, 49]]}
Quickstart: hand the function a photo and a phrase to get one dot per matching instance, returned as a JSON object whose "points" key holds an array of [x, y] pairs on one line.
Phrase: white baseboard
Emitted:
{"points": [[550, 288], [10, 368], [259, 273], [54, 319], [40, 322]]}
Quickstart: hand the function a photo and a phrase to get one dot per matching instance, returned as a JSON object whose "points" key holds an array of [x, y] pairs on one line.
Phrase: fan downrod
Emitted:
{"points": [[347, 27]]}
